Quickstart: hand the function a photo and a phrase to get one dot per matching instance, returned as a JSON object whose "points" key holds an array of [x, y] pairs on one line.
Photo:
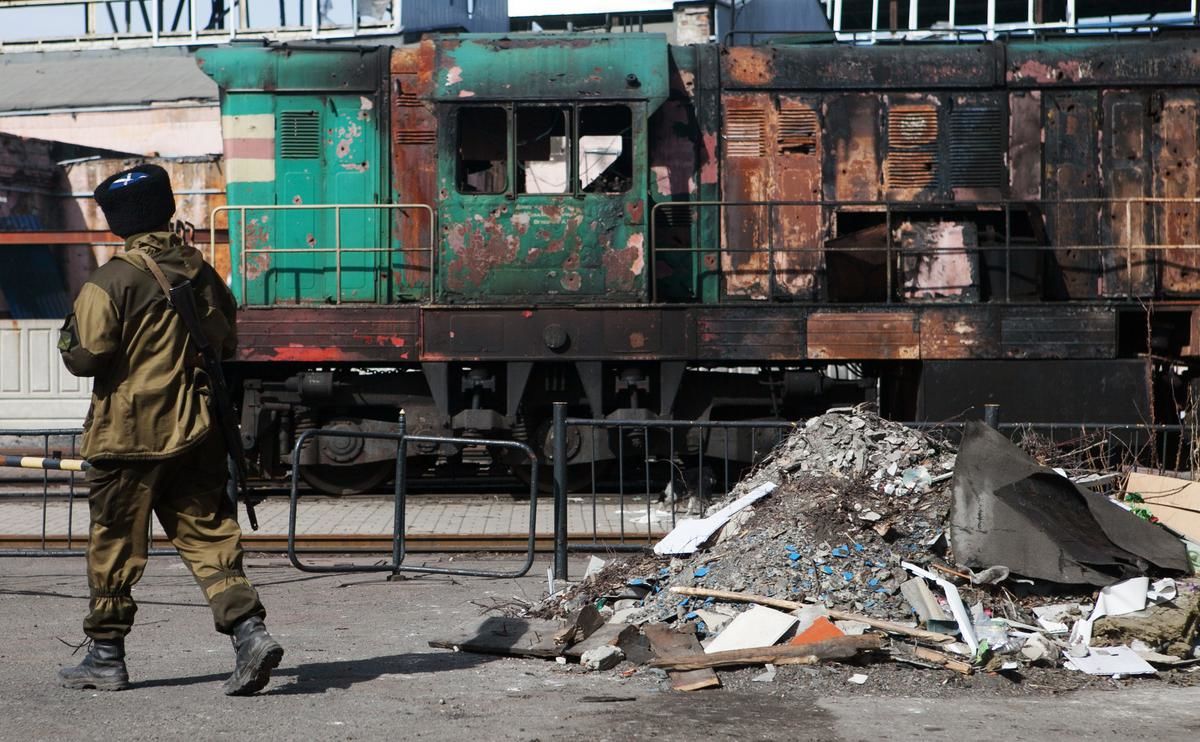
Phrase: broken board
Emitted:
{"points": [[665, 641], [513, 637]]}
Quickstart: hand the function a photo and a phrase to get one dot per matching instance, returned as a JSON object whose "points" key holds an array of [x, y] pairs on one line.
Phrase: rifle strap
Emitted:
{"points": [[159, 276]]}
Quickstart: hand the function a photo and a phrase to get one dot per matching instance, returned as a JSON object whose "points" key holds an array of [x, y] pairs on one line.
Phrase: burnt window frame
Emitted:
{"points": [[456, 133], [511, 109], [581, 190]]}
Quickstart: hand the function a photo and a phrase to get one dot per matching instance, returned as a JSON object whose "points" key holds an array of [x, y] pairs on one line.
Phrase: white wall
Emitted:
{"points": [[36, 390]]}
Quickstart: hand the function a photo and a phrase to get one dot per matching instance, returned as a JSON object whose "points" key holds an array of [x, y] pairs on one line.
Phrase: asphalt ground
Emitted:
{"points": [[358, 666]]}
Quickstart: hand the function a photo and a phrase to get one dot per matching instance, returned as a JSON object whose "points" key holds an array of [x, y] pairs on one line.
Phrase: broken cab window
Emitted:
{"points": [[482, 150], [543, 150], [605, 149]]}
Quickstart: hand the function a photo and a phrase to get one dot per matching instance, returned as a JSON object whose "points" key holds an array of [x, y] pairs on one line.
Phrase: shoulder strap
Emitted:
{"points": [[159, 276]]}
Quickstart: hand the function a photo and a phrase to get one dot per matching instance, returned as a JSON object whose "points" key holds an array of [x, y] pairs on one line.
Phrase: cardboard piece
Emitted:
{"points": [[758, 627], [690, 534], [1175, 502], [664, 641]]}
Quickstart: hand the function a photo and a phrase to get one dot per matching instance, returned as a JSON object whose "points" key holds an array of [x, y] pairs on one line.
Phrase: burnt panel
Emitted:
{"points": [[959, 332], [414, 162], [862, 336], [1127, 270], [1062, 332], [977, 146], [1025, 145], [737, 334], [1072, 190], [838, 67], [851, 168], [750, 123], [1177, 176], [457, 334], [329, 334], [1107, 60], [796, 259]]}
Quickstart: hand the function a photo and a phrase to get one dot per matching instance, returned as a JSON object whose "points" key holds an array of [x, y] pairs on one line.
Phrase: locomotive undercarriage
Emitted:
{"points": [[514, 401]]}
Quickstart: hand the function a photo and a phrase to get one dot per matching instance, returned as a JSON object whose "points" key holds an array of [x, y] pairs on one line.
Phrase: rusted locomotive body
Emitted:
{"points": [[646, 231]]}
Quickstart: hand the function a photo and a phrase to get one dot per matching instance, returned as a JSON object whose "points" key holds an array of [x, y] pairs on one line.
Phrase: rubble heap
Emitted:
{"points": [[835, 548]]}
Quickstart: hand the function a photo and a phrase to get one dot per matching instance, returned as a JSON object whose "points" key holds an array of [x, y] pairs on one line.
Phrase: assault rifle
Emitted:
{"points": [[183, 299]]}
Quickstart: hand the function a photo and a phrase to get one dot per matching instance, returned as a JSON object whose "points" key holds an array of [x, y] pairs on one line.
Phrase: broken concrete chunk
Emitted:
{"points": [[602, 658]]}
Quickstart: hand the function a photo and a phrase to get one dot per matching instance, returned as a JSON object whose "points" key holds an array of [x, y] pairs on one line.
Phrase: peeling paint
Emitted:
{"points": [[454, 75]]}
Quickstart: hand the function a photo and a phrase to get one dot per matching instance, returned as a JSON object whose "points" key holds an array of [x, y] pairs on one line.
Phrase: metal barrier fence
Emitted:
{"points": [[400, 496]]}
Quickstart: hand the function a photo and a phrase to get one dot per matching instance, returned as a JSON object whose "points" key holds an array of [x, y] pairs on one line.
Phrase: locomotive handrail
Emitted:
{"points": [[337, 249], [889, 207]]}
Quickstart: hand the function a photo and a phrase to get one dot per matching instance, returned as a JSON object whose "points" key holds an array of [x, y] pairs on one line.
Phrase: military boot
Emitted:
{"points": [[103, 668], [257, 655]]}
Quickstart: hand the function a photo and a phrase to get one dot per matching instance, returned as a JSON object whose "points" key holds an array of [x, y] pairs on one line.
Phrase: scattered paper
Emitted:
{"points": [[595, 564], [1127, 596], [1111, 661], [857, 678], [690, 534], [765, 677], [758, 627]]}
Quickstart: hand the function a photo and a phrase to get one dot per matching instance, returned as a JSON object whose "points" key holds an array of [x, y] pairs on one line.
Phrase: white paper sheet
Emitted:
{"points": [[1118, 599], [758, 627]]}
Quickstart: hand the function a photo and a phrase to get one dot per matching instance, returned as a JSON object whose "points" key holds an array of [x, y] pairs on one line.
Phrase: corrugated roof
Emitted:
{"points": [[53, 80]]}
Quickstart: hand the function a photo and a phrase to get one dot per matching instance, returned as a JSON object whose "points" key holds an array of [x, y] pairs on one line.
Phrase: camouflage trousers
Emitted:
{"points": [[187, 494]]}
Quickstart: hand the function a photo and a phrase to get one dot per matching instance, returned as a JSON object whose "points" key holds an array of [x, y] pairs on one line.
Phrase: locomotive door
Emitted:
{"points": [[543, 202], [328, 153]]}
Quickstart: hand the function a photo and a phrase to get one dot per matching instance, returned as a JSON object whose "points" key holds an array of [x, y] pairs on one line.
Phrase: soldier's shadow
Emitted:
{"points": [[319, 677]]}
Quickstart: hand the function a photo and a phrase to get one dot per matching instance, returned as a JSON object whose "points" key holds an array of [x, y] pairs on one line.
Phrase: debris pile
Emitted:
{"points": [[836, 549]]}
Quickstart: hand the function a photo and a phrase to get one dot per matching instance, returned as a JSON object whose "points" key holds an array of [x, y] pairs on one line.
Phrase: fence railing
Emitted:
{"points": [[243, 249], [765, 249], [399, 502]]}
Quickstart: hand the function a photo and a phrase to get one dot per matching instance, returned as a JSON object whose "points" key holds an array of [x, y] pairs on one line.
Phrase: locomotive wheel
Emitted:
{"points": [[355, 479]]}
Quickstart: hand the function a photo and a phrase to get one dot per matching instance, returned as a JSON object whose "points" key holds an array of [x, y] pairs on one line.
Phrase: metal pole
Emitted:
{"points": [[401, 494], [560, 490], [991, 415]]}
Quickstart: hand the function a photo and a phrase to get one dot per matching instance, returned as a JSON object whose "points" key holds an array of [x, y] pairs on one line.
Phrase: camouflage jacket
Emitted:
{"points": [[150, 397]]}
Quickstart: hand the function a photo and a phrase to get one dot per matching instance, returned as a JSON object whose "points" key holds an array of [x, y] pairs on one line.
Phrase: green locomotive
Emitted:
{"points": [[473, 227]]}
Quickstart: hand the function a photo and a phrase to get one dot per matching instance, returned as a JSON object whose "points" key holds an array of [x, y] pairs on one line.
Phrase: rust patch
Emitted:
{"points": [[849, 336], [553, 213], [478, 247], [571, 281], [257, 238], [623, 266], [634, 211], [1036, 71], [637, 340], [750, 65], [308, 354]]}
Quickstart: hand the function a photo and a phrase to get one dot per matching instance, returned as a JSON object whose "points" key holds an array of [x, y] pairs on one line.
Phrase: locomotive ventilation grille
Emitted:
{"points": [[798, 131], [744, 135], [912, 160], [416, 136], [976, 159], [299, 135]]}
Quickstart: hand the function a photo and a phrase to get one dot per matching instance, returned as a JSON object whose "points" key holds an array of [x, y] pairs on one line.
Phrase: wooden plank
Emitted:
{"points": [[513, 637], [664, 641], [944, 660], [608, 635], [787, 654]]}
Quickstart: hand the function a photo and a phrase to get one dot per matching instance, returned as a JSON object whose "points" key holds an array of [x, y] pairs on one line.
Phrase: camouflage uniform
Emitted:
{"points": [[149, 435]]}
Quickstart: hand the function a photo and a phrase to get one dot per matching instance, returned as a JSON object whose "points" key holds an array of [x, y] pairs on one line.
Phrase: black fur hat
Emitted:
{"points": [[136, 200]]}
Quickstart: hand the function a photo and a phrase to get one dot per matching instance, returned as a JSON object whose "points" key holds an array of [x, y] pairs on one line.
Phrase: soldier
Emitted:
{"points": [[151, 438]]}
